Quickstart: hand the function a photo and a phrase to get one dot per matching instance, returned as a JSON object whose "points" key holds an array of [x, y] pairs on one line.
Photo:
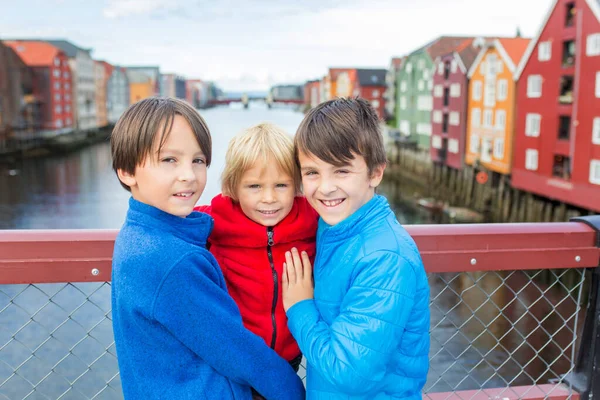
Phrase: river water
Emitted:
{"points": [[80, 191]]}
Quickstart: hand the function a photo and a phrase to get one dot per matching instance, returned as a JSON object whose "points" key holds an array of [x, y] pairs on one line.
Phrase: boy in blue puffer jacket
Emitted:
{"points": [[365, 334]]}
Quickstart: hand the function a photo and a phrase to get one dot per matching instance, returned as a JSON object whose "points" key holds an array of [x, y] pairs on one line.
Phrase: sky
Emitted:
{"points": [[254, 44]]}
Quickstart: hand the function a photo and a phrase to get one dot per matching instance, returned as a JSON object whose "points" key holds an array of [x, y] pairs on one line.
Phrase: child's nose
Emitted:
{"points": [[268, 196], [186, 174], [327, 186]]}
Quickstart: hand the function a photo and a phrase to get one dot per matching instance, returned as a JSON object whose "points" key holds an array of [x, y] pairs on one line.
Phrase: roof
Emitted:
{"points": [[33, 53], [371, 77], [138, 77], [444, 45], [397, 61], [334, 72], [515, 48], [69, 48], [468, 54]]}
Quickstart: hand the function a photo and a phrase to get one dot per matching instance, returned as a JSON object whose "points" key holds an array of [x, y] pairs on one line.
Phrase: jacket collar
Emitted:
{"points": [[234, 228], [194, 229], [373, 209]]}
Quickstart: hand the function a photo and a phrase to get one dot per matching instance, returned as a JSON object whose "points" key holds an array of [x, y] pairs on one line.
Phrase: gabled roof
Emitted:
{"points": [[34, 53], [69, 48], [445, 44], [511, 50], [371, 77], [397, 61], [594, 6]]}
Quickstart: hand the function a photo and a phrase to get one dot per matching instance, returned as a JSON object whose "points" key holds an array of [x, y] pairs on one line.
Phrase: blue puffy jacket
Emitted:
{"points": [[366, 333]]}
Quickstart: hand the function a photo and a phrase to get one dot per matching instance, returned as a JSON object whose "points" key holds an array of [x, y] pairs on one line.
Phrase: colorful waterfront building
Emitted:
{"points": [[152, 72], [491, 104], [415, 84], [391, 81], [19, 109], [83, 89], [312, 93], [450, 95], [325, 88], [102, 70], [370, 85], [341, 82], [52, 83], [117, 92], [557, 145], [141, 85]]}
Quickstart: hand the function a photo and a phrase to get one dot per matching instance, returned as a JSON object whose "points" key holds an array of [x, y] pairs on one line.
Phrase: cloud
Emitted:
{"points": [[125, 8]]}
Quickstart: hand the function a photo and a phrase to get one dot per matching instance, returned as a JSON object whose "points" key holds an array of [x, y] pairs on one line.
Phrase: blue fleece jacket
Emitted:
{"points": [[178, 333], [366, 333]]}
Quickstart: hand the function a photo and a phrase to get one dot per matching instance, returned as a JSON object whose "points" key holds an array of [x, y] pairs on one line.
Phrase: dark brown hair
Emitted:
{"points": [[338, 130], [135, 134]]}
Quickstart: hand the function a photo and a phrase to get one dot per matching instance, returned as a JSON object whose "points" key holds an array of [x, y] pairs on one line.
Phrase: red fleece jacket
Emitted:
{"points": [[241, 246]]}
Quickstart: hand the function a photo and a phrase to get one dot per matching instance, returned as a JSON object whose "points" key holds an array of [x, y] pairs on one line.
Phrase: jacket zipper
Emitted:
{"points": [[270, 243]]}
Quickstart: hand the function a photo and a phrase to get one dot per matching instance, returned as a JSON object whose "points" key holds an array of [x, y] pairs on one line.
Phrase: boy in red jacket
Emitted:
{"points": [[258, 217]]}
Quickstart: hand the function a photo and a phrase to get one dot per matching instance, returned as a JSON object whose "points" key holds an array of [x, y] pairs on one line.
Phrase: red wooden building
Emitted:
{"points": [[450, 101], [52, 82], [370, 85], [312, 93], [557, 131]]}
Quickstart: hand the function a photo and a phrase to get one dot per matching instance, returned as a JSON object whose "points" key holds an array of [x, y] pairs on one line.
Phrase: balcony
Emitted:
{"points": [[507, 307]]}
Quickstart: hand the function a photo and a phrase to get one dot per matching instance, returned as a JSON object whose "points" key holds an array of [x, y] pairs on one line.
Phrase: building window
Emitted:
{"points": [[375, 93], [488, 117], [592, 47], [409, 67], [403, 86], [58, 109], [424, 103], [598, 85], [499, 148], [564, 127], [532, 124], [446, 70], [477, 90], [534, 86], [66, 75], [59, 123], [531, 159], [502, 89], [56, 73], [570, 14], [453, 146], [437, 116], [568, 58], [482, 68], [474, 144], [403, 103], [486, 149], [561, 167], [455, 90], [436, 142], [56, 85], [57, 62], [440, 69], [566, 90], [453, 66], [489, 97], [57, 97], [596, 131], [500, 120], [426, 74], [476, 118], [446, 97], [405, 127], [438, 91], [445, 123], [492, 65], [375, 104], [424, 129], [454, 118], [595, 172], [544, 51]]}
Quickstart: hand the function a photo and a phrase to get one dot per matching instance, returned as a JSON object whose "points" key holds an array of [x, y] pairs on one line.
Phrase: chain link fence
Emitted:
{"points": [[488, 330]]}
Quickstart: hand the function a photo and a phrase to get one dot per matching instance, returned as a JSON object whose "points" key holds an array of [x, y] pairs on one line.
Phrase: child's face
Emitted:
{"points": [[266, 193], [173, 180], [337, 192]]}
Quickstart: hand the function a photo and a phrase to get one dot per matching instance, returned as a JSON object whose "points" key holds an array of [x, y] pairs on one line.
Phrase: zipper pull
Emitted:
{"points": [[271, 242]]}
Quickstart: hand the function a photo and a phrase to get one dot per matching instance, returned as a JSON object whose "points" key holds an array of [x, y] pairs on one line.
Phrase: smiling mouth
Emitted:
{"points": [[268, 212], [184, 195], [332, 203]]}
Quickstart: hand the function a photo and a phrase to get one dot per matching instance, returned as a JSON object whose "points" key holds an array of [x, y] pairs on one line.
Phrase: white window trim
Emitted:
{"points": [[531, 79], [476, 117], [437, 117], [592, 47], [498, 119], [598, 85], [488, 124], [474, 144], [477, 90], [454, 118], [438, 91], [455, 90], [530, 156], [533, 120], [545, 51], [596, 131], [436, 142], [453, 146], [594, 164], [498, 144], [502, 93]]}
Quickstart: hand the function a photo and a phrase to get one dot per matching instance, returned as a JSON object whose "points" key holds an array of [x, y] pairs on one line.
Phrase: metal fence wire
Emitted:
{"points": [[488, 330]]}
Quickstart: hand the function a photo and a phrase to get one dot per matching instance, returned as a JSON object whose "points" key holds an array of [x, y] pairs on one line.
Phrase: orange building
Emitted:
{"points": [[141, 86], [102, 71], [341, 82], [491, 104]]}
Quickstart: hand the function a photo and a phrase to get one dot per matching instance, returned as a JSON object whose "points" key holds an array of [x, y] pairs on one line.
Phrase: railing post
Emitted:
{"points": [[586, 376]]}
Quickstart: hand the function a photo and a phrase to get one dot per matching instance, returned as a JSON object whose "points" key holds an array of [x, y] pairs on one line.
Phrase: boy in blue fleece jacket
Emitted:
{"points": [[178, 333], [365, 334]]}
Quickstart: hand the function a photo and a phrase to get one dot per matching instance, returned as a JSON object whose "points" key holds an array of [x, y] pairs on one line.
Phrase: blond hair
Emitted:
{"points": [[264, 142]]}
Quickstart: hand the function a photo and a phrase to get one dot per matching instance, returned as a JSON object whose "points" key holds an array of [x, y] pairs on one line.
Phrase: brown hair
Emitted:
{"points": [[337, 130], [264, 142], [135, 134]]}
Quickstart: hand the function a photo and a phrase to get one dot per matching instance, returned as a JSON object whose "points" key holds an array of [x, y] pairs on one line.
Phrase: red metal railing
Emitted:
{"points": [[58, 256]]}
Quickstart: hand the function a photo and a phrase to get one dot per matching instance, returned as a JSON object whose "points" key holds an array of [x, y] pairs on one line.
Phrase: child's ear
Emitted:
{"points": [[377, 175], [127, 178]]}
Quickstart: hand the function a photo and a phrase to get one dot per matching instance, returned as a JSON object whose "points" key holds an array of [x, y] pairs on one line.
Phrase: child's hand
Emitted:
{"points": [[297, 284]]}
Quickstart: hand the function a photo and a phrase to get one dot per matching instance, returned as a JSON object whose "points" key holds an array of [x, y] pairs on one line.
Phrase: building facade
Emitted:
{"points": [[370, 85], [117, 93], [100, 78], [491, 104], [557, 145], [391, 81], [19, 110]]}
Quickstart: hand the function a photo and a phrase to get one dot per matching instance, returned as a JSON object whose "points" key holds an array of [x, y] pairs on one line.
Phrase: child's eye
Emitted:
{"points": [[342, 171], [168, 160], [282, 185], [307, 173], [199, 161], [255, 186]]}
